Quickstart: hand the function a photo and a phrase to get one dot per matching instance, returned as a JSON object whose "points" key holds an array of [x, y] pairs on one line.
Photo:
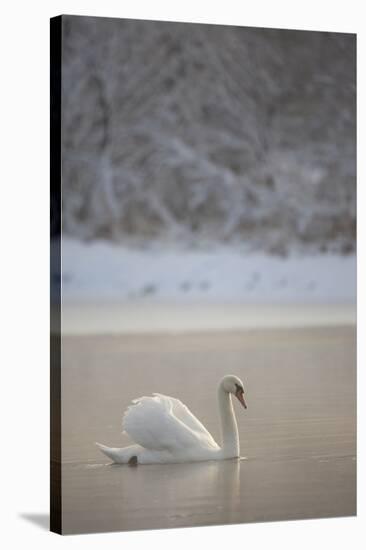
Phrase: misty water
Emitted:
{"points": [[297, 435]]}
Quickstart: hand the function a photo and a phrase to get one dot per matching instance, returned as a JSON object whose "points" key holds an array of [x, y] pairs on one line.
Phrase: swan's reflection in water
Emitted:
{"points": [[209, 491]]}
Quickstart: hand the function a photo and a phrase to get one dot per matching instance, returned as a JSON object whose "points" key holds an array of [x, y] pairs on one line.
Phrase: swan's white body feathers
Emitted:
{"points": [[163, 423], [165, 430]]}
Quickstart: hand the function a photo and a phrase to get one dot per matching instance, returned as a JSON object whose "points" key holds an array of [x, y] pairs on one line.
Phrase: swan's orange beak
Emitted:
{"points": [[240, 395]]}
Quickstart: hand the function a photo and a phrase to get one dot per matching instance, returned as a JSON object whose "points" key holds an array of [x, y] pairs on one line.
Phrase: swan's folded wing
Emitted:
{"points": [[182, 412], [151, 423]]}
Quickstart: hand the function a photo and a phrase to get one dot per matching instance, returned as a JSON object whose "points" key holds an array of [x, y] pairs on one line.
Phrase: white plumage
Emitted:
{"points": [[164, 430]]}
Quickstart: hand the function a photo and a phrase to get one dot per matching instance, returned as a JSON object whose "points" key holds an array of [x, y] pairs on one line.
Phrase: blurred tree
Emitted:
{"points": [[198, 132]]}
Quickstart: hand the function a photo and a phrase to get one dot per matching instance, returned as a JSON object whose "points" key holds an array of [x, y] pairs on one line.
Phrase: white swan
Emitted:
{"points": [[165, 430]]}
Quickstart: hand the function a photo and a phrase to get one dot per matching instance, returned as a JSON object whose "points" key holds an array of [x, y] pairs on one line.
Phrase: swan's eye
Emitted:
{"points": [[239, 388]]}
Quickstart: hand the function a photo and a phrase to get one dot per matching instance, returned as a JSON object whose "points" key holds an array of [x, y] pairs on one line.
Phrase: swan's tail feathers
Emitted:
{"points": [[115, 454], [127, 455]]}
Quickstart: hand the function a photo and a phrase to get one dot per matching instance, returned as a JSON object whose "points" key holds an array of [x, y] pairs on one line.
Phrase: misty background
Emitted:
{"points": [[203, 160]]}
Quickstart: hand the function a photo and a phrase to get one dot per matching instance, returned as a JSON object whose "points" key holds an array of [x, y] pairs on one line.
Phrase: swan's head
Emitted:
{"points": [[233, 384]]}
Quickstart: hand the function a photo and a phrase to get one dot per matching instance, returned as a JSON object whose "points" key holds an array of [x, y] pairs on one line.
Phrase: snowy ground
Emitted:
{"points": [[101, 272]]}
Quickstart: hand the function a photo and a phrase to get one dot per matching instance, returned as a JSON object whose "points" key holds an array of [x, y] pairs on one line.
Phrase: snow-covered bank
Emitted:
{"points": [[101, 272]]}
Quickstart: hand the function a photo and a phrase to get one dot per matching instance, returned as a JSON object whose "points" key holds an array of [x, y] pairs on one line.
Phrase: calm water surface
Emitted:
{"points": [[297, 435]]}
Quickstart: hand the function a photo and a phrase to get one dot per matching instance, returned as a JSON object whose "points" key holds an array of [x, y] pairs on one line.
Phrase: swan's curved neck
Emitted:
{"points": [[229, 429]]}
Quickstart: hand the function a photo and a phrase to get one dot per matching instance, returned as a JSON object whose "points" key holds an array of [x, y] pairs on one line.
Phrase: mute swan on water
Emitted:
{"points": [[165, 431]]}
